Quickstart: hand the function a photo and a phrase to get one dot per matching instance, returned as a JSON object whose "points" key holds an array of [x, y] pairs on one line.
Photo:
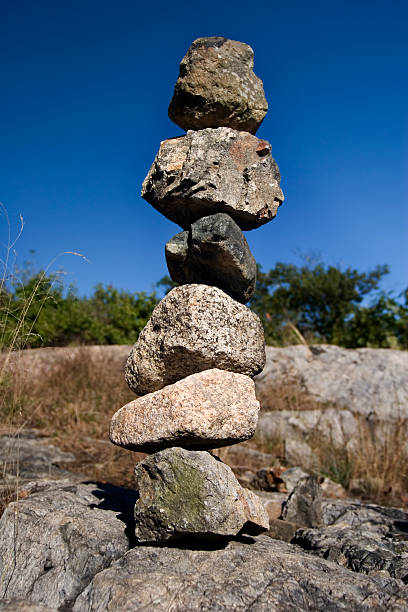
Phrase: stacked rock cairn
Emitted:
{"points": [[193, 363]]}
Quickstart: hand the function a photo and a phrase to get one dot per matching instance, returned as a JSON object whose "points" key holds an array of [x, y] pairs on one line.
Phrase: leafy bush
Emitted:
{"points": [[312, 304], [327, 304], [58, 317]]}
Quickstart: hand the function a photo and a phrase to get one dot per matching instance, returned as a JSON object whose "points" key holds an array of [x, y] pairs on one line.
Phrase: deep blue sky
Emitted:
{"points": [[85, 86]]}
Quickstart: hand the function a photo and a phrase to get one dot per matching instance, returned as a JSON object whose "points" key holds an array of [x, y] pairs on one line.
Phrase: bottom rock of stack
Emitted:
{"points": [[192, 493]]}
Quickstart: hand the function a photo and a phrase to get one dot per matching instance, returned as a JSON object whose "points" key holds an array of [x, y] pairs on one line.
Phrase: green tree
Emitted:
{"points": [[327, 304], [39, 311]]}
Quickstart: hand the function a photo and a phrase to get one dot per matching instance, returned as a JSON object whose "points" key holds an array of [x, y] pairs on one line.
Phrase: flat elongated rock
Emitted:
{"points": [[212, 171], [192, 493], [217, 87], [206, 410], [195, 328], [213, 252]]}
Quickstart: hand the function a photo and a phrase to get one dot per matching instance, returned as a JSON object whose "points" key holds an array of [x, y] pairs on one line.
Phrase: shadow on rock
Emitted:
{"points": [[119, 500]]}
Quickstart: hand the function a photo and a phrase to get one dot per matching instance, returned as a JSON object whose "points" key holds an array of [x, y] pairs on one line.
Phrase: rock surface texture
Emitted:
{"points": [[260, 575], [369, 382], [25, 457], [352, 394], [69, 549], [213, 171], [213, 252], [206, 410], [360, 551], [304, 504], [55, 540], [195, 328], [217, 87], [23, 605], [191, 493]]}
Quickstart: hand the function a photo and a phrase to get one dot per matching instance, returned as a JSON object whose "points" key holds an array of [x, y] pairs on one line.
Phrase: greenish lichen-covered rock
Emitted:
{"points": [[192, 493], [217, 87]]}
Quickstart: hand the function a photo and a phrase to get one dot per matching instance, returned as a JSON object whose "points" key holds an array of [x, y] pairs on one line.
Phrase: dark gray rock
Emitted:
{"points": [[191, 493], [261, 575], [195, 328], [217, 87], [304, 504], [367, 517], [55, 540], [176, 251], [213, 171], [213, 252], [363, 537], [360, 551], [27, 456]]}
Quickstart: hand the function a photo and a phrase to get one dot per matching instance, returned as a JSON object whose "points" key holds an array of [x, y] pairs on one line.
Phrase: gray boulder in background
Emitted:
{"points": [[370, 382], [213, 171], [352, 395], [191, 493], [195, 328], [217, 87], [213, 252], [25, 456]]}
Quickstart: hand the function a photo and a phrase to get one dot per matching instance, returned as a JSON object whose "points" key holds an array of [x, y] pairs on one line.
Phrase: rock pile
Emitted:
{"points": [[193, 363]]}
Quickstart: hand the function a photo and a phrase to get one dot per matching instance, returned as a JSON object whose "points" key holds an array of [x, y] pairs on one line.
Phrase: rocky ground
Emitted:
{"points": [[69, 545]]}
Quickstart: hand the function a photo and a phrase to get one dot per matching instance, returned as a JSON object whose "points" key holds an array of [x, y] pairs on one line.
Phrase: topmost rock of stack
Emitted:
{"points": [[218, 88]]}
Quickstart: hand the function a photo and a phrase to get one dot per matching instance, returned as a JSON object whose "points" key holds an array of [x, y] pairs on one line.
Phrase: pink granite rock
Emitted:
{"points": [[206, 410]]}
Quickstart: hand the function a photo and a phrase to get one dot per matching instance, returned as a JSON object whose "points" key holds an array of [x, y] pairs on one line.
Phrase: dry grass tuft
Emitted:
{"points": [[373, 466], [70, 395], [70, 398]]}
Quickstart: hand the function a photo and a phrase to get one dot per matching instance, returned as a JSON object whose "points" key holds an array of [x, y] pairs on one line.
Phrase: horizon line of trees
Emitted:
{"points": [[311, 303]]}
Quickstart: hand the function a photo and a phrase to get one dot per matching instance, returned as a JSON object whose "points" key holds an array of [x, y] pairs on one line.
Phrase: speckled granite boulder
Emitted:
{"points": [[217, 87], [191, 493], [195, 328], [212, 171], [213, 252], [206, 410], [265, 575], [57, 538]]}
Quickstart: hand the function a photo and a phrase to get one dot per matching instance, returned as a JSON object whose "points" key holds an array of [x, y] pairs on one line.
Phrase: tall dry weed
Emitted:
{"points": [[15, 330]]}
